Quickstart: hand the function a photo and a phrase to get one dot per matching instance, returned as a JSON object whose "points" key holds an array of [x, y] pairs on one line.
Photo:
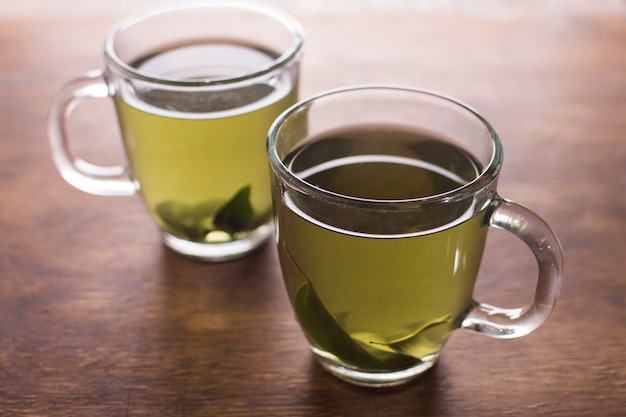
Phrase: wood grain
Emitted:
{"points": [[98, 319]]}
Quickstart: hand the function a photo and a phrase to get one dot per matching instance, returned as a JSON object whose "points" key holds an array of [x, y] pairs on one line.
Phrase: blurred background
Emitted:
{"points": [[491, 8]]}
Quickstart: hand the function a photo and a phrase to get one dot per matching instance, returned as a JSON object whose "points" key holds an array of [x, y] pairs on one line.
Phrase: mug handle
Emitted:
{"points": [[87, 177], [531, 229]]}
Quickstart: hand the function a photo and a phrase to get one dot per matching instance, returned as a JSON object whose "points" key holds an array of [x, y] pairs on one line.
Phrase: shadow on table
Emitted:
{"points": [[329, 396]]}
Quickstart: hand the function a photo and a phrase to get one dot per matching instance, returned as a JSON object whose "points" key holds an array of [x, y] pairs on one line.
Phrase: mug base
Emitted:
{"points": [[371, 378], [218, 252]]}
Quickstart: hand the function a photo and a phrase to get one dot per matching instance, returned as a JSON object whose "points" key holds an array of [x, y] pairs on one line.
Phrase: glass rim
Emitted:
{"points": [[488, 174], [289, 22]]}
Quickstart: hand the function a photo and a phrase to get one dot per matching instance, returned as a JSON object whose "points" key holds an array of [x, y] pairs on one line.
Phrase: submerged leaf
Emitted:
{"points": [[187, 221], [197, 221], [236, 214], [418, 343], [326, 333]]}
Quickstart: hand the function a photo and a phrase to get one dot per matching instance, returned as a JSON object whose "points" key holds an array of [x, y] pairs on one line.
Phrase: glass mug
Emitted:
{"points": [[196, 86], [383, 196]]}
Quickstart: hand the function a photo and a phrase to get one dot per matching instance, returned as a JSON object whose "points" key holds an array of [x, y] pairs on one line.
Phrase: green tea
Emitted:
{"points": [[384, 300], [199, 156]]}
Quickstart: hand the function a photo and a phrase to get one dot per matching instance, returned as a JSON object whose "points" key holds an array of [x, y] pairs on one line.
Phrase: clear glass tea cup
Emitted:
{"points": [[383, 197], [196, 85]]}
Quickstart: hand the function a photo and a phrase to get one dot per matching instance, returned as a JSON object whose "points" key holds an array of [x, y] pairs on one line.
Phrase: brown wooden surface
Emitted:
{"points": [[98, 319]]}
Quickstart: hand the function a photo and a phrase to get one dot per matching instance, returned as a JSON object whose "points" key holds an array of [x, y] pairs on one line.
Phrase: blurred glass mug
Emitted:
{"points": [[196, 86], [383, 196]]}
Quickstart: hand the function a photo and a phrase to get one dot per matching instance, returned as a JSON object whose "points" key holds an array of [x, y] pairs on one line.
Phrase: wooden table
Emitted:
{"points": [[97, 318]]}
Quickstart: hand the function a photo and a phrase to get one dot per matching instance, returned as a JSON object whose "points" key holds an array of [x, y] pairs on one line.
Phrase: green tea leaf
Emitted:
{"points": [[236, 214], [187, 221], [419, 342], [325, 332], [197, 221]]}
